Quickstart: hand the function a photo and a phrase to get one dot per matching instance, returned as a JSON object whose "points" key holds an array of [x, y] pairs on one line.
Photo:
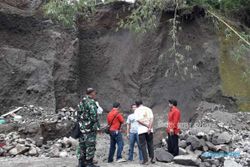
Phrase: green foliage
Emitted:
{"points": [[223, 5], [64, 11], [145, 16]]}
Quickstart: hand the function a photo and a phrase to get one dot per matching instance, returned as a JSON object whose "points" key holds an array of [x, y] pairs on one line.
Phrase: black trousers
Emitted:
{"points": [[173, 144], [146, 141]]}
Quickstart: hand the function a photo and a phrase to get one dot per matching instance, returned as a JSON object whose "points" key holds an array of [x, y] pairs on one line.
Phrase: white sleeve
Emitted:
{"points": [[99, 109], [128, 120], [138, 115]]}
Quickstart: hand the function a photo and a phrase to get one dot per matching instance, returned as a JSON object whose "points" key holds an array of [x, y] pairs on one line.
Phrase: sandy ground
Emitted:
{"points": [[66, 162]]}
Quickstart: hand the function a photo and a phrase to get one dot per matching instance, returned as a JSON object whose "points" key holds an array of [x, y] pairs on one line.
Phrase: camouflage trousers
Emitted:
{"points": [[86, 149]]}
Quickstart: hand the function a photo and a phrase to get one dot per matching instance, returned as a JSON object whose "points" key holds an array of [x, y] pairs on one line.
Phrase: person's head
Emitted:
{"points": [[116, 105], [138, 103], [133, 107], [172, 102], [91, 93]]}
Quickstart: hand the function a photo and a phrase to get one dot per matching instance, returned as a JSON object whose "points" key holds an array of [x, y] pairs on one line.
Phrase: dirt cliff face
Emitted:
{"points": [[41, 64], [37, 63], [124, 67]]}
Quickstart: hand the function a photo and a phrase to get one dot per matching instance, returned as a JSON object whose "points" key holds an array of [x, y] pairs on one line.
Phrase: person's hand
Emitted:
{"points": [[149, 130], [171, 132]]}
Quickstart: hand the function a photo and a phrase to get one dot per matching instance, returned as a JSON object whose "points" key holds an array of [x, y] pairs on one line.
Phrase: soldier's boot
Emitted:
{"points": [[90, 163], [81, 163]]}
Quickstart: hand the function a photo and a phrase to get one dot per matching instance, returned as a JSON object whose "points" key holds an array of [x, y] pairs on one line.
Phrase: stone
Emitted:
{"points": [[33, 151], [222, 138], [74, 143], [190, 159], [39, 141], [200, 135], [2, 151], [189, 149], [194, 141], [182, 151], [197, 152], [63, 154], [205, 148], [54, 152], [19, 149], [182, 144], [21, 141], [211, 146], [231, 163], [163, 156], [222, 147]]}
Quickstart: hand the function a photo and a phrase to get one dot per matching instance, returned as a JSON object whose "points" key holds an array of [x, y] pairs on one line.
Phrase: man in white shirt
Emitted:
{"points": [[144, 117], [132, 134]]}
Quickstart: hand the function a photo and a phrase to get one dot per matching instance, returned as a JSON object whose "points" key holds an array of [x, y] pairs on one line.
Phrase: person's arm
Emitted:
{"points": [[142, 123], [150, 126], [176, 119], [120, 118], [128, 129], [128, 126], [92, 107]]}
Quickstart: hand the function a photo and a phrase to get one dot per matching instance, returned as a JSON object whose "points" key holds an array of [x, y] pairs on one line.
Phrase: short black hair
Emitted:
{"points": [[116, 105], [89, 90], [138, 103], [173, 101]]}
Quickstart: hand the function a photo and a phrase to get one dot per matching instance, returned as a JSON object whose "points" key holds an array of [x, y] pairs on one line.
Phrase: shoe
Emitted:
{"points": [[81, 163], [145, 163], [92, 165], [121, 160], [95, 161], [152, 161]]}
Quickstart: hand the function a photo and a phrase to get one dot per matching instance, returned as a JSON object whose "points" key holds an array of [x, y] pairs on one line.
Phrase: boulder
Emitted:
{"points": [[63, 154], [231, 163], [222, 147], [182, 151], [194, 141], [211, 146], [163, 156], [19, 149], [182, 144], [221, 138], [33, 151], [190, 159], [54, 151]]}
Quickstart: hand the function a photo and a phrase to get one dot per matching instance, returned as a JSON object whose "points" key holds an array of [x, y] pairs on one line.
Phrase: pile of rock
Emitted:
{"points": [[13, 144], [218, 138], [32, 113]]}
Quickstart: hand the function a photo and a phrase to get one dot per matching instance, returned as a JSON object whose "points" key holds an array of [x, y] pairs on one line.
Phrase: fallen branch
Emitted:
{"points": [[11, 112], [230, 27]]}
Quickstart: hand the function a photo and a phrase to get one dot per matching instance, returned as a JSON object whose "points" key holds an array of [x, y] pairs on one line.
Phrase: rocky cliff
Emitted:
{"points": [[46, 65]]}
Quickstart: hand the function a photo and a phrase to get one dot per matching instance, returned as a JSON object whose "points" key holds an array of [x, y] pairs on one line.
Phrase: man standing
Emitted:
{"points": [[144, 117], [132, 134], [173, 129], [115, 120], [88, 122]]}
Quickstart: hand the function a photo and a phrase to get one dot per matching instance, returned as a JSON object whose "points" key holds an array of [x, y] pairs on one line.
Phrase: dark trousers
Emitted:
{"points": [[115, 138], [146, 141], [173, 145]]}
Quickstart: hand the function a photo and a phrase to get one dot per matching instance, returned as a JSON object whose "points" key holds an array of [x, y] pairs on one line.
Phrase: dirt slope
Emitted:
{"points": [[42, 64], [124, 67]]}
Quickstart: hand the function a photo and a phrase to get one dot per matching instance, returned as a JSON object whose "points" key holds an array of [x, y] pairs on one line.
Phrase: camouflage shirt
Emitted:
{"points": [[87, 115]]}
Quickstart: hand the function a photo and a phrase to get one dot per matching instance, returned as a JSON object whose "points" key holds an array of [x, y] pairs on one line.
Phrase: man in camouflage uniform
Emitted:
{"points": [[89, 124]]}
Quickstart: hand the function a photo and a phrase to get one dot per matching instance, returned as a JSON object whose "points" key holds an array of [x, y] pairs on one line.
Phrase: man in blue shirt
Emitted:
{"points": [[132, 134]]}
